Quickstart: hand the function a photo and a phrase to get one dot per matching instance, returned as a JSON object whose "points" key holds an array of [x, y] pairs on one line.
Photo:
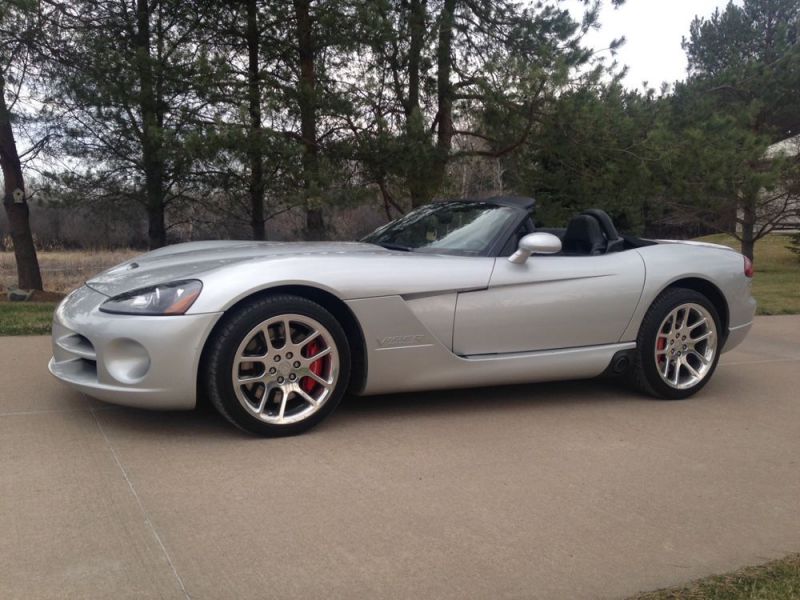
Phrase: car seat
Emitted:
{"points": [[584, 236]]}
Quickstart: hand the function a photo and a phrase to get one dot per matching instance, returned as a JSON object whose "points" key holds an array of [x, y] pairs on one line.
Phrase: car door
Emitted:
{"points": [[550, 302]]}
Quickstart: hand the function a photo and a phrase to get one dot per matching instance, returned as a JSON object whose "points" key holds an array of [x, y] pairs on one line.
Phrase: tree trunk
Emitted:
{"points": [[254, 150], [419, 193], [315, 226], [418, 179], [152, 158], [418, 11], [427, 179], [748, 230], [444, 90], [28, 275]]}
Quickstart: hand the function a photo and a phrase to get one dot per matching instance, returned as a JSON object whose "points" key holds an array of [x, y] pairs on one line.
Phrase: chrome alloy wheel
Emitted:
{"points": [[686, 346], [285, 369]]}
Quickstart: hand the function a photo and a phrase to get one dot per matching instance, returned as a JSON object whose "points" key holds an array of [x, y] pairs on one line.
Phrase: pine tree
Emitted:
{"points": [[129, 82], [742, 95], [451, 79]]}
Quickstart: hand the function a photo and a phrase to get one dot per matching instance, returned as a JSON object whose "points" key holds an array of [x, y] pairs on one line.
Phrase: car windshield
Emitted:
{"points": [[450, 227]]}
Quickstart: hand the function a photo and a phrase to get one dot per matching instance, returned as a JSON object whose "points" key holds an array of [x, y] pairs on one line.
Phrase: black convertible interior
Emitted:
{"points": [[590, 233]]}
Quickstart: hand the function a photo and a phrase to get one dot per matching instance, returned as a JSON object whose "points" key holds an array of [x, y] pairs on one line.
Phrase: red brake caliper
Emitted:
{"points": [[660, 345], [316, 368]]}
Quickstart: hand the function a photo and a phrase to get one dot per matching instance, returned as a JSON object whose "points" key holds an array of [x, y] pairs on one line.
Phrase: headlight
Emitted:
{"points": [[166, 299]]}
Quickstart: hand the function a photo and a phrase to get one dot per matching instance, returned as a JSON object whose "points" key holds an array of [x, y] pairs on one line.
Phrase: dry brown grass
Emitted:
{"points": [[64, 270]]}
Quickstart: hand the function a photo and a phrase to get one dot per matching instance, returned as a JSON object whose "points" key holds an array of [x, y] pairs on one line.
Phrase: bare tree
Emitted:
{"points": [[17, 23]]}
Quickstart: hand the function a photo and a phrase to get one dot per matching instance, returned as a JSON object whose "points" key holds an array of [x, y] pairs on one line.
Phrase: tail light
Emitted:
{"points": [[748, 267]]}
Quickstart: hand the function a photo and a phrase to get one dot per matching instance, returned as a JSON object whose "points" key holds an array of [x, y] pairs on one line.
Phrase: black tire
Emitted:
{"points": [[644, 374], [222, 347]]}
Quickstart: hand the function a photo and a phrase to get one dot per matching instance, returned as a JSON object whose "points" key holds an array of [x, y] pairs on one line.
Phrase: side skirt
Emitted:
{"points": [[434, 367]]}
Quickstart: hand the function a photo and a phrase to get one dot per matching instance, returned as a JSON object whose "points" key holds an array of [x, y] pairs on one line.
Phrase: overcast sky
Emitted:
{"points": [[653, 30]]}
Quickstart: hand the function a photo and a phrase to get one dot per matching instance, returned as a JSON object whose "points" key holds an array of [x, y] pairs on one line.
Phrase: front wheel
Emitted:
{"points": [[678, 345], [278, 365]]}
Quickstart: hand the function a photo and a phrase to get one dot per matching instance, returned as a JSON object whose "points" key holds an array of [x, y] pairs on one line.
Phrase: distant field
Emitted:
{"points": [[63, 271], [776, 285]]}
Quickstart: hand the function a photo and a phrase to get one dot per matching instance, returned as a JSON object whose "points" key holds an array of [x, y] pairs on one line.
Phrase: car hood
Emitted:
{"points": [[193, 259]]}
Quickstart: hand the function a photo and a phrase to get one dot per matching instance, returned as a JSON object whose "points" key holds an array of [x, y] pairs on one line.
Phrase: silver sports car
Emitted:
{"points": [[458, 293]]}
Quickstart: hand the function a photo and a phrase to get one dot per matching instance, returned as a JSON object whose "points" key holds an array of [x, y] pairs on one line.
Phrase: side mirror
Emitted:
{"points": [[535, 243]]}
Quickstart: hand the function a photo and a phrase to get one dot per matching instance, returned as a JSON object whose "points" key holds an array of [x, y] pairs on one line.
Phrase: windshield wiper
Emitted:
{"points": [[392, 246]]}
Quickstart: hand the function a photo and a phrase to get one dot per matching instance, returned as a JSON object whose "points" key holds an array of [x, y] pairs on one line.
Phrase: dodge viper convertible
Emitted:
{"points": [[458, 293]]}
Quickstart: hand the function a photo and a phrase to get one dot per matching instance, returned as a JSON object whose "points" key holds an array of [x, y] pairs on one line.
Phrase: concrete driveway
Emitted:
{"points": [[549, 491]]}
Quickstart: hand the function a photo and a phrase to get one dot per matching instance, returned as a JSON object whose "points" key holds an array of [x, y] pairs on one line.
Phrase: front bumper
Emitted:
{"points": [[141, 361]]}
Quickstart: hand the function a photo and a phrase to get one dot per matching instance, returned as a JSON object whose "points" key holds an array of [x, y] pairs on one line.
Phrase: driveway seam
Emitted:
{"points": [[758, 362], [45, 411], [148, 521]]}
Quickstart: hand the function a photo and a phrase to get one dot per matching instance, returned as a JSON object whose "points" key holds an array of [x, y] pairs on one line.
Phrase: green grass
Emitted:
{"points": [[778, 580], [26, 318], [776, 285]]}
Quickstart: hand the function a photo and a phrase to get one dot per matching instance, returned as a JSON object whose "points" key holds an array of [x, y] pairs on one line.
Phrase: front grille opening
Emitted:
{"points": [[82, 342], [79, 345], [88, 366]]}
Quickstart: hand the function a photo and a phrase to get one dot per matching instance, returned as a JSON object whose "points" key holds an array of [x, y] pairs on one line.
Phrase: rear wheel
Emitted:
{"points": [[278, 365], [678, 345]]}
